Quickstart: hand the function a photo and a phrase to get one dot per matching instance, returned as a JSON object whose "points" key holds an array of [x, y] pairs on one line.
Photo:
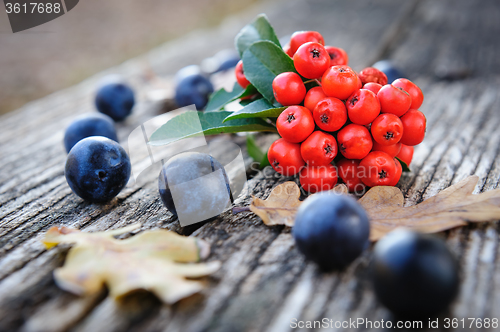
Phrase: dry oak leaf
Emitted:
{"points": [[153, 260], [340, 189], [281, 206], [452, 207]]}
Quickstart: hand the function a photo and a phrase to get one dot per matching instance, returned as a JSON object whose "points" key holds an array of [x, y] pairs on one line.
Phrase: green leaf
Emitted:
{"points": [[265, 161], [250, 90], [259, 108], [259, 29], [255, 152], [405, 167], [221, 98], [253, 149], [245, 102], [262, 62], [192, 123]]}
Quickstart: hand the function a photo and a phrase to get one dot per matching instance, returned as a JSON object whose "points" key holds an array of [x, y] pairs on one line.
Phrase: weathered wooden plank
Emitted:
{"points": [[264, 281], [59, 313], [451, 36]]}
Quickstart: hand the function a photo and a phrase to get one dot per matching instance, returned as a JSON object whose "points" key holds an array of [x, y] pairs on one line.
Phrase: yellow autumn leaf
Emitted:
{"points": [[155, 260]]}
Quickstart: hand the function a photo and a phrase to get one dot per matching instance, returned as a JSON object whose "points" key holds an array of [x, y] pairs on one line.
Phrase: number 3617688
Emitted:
{"points": [[471, 323], [33, 8]]}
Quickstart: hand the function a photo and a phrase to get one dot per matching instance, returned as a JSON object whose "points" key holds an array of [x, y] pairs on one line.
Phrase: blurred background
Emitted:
{"points": [[92, 37], [445, 39]]}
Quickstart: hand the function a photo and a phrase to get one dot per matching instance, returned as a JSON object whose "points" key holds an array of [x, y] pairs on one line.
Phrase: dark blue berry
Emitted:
{"points": [[193, 89], [97, 169], [331, 230], [414, 275], [226, 59], [228, 63], [187, 71], [221, 61], [388, 68], [199, 192], [93, 124], [115, 100]]}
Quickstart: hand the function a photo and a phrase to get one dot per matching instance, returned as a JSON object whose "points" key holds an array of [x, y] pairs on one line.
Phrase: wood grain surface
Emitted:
{"points": [[450, 48]]}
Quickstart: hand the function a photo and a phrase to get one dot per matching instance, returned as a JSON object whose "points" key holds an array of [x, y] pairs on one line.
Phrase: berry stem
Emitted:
{"points": [[239, 209], [272, 121], [313, 80]]}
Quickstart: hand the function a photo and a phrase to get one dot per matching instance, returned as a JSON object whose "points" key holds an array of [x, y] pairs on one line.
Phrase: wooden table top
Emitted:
{"points": [[264, 281]]}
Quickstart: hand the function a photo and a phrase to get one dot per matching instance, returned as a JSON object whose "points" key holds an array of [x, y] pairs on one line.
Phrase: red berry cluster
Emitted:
{"points": [[367, 120]]}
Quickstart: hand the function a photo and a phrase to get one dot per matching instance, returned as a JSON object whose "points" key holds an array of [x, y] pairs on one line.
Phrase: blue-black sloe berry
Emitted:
{"points": [[193, 89], [92, 124], [191, 186], [116, 100], [187, 71], [226, 59], [413, 274], [331, 230], [221, 61], [97, 169]]}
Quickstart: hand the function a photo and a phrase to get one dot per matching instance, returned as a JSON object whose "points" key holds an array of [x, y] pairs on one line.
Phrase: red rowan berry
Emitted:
{"points": [[391, 150], [399, 172], [288, 50], [301, 37], [362, 107], [318, 178], [295, 124], [330, 114], [355, 141], [373, 75], [360, 84], [337, 56], [240, 75], [348, 170], [406, 154], [313, 96], [319, 149], [339, 82], [394, 100], [417, 97], [289, 89], [414, 123], [378, 169], [374, 87], [311, 60], [387, 129], [285, 157]]}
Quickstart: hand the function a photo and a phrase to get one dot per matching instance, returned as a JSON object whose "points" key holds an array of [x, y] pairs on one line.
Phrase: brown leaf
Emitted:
{"points": [[282, 204], [152, 260], [450, 208], [340, 189]]}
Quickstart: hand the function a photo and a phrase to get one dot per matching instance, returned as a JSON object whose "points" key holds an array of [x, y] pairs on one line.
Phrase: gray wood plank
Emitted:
{"points": [[264, 281]]}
